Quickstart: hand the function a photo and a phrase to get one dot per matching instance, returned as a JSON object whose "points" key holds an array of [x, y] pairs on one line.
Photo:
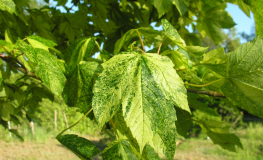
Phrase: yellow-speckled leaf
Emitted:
{"points": [[147, 87]]}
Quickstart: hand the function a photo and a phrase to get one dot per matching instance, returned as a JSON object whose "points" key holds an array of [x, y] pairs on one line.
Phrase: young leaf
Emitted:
{"points": [[180, 58], [148, 33], [243, 84], [146, 86], [8, 5], [1, 77], [82, 147], [218, 132], [8, 46], [172, 34], [124, 39], [162, 6], [39, 42], [78, 90], [120, 150], [76, 52]]}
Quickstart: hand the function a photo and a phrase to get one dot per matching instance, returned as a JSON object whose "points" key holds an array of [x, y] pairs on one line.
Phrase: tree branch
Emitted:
{"points": [[209, 93], [20, 67]]}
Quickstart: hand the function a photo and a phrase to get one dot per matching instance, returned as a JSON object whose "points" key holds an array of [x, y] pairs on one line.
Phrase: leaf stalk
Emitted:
{"points": [[202, 85], [141, 40], [73, 124]]}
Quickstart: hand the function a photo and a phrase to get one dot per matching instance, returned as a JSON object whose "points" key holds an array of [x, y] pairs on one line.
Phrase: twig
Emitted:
{"points": [[186, 68], [114, 128], [141, 40], [98, 45], [21, 68], [189, 117], [139, 49], [5, 49], [160, 46], [209, 93], [202, 85], [73, 124]]}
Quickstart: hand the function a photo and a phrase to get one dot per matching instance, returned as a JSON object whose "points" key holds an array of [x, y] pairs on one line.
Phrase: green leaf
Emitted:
{"points": [[216, 60], [39, 93], [183, 123], [214, 20], [125, 39], [146, 86], [162, 6], [78, 90], [61, 2], [195, 103], [181, 6], [77, 51], [6, 109], [1, 77], [243, 84], [257, 8], [218, 132], [122, 130], [82, 147], [8, 46], [71, 29], [15, 132], [179, 58], [172, 34], [50, 71], [149, 153], [39, 42], [196, 50], [8, 5], [28, 50], [244, 7], [119, 150], [42, 23], [150, 35]]}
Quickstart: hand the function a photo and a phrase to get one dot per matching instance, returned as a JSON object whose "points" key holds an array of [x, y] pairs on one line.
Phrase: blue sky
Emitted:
{"points": [[244, 23]]}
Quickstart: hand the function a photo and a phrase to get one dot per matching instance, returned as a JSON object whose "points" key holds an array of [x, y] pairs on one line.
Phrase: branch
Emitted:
{"points": [[20, 67], [160, 46], [209, 93], [141, 40], [5, 49], [202, 85]]}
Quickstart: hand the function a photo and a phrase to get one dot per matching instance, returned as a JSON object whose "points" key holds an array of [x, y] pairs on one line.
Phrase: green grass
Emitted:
{"points": [[45, 146], [203, 148]]}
